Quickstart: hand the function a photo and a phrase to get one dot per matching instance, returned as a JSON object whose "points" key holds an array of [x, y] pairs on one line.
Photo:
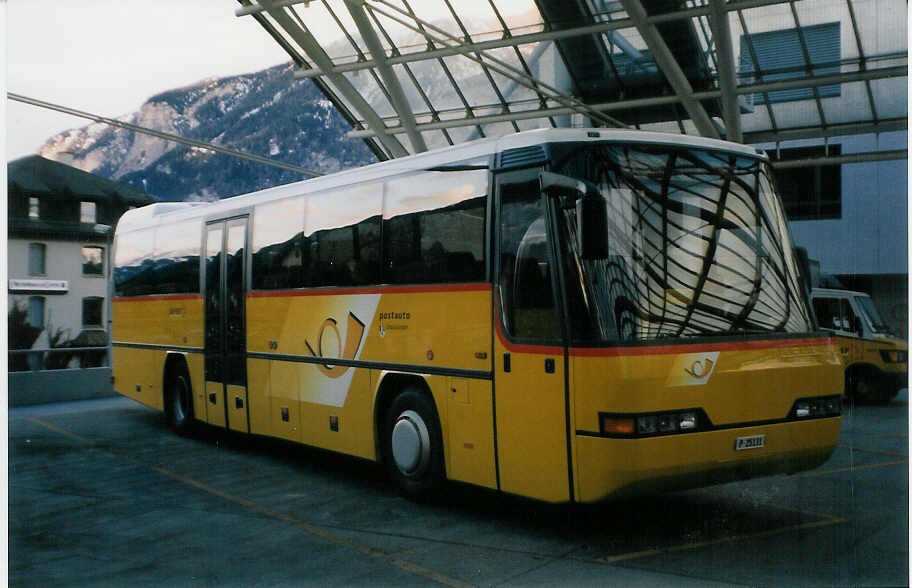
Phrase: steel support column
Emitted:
{"points": [[316, 53], [397, 95], [669, 66], [731, 113]]}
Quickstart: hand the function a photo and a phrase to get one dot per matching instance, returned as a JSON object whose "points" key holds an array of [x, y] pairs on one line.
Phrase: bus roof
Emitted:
{"points": [[167, 212]]}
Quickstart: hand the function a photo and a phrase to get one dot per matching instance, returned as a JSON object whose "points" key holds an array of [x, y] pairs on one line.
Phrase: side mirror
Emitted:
{"points": [[592, 226], [591, 212], [558, 185]]}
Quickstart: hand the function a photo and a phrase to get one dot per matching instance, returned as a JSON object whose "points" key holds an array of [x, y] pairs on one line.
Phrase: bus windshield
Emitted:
{"points": [[698, 246]]}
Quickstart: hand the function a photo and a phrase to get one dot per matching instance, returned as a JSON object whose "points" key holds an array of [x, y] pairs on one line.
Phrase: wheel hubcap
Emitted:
{"points": [[411, 443]]}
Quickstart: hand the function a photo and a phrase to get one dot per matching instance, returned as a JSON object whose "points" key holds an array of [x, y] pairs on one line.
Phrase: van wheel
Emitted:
{"points": [[179, 404], [863, 387], [413, 445]]}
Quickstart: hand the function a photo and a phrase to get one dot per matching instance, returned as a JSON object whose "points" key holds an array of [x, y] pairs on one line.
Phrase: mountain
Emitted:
{"points": [[267, 113]]}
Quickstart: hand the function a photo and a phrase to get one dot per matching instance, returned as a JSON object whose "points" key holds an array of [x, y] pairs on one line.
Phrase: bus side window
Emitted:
{"points": [[434, 227], [342, 236], [527, 298], [278, 245]]}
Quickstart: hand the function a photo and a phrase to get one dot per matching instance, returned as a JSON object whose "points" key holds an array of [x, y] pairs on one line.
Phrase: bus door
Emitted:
{"points": [[225, 345], [530, 367]]}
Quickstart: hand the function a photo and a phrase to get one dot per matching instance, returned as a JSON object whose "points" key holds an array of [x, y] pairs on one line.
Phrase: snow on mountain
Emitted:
{"points": [[266, 113]]}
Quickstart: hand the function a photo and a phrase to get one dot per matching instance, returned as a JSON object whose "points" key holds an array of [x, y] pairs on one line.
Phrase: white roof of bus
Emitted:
{"points": [[155, 213]]}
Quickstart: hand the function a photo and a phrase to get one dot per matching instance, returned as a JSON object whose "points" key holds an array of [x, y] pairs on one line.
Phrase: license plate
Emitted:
{"points": [[753, 442]]}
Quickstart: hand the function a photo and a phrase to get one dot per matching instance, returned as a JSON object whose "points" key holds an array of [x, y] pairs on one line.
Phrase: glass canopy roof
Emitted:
{"points": [[412, 75]]}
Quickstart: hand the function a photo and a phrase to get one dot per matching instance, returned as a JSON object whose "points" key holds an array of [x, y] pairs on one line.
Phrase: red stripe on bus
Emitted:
{"points": [[695, 348], [625, 351], [481, 287], [152, 297], [522, 347]]}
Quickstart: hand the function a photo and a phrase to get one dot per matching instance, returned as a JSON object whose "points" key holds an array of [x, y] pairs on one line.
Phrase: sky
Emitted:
{"points": [[108, 56]]}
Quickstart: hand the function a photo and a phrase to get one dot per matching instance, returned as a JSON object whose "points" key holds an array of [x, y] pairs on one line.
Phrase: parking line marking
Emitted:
{"points": [[876, 451], [316, 530], [876, 435], [851, 468], [699, 544], [825, 520]]}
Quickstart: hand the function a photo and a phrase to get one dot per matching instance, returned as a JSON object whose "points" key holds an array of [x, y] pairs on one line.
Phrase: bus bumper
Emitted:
{"points": [[613, 468]]}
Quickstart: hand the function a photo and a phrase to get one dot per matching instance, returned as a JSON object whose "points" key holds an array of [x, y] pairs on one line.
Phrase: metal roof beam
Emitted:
{"points": [[397, 95], [516, 40], [725, 58], [832, 130], [826, 80], [496, 65], [312, 48], [300, 62], [867, 157], [669, 66]]}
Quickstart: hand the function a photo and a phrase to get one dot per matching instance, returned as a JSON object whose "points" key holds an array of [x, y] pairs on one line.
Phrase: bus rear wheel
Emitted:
{"points": [[413, 445], [179, 404]]}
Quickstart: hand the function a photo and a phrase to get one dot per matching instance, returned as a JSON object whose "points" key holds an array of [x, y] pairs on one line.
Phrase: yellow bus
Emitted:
{"points": [[567, 315]]}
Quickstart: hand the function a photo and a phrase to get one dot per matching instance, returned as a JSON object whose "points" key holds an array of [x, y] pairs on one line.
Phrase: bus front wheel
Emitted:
{"points": [[179, 404], [413, 445]]}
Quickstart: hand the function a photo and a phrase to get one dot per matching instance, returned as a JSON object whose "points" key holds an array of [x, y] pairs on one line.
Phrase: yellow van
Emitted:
{"points": [[876, 360]]}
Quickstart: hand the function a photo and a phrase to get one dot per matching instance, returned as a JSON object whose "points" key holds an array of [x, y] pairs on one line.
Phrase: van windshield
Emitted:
{"points": [[871, 315], [698, 246]]}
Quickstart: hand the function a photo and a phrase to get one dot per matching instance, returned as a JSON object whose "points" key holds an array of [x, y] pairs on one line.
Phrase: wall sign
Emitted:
{"points": [[56, 286]]}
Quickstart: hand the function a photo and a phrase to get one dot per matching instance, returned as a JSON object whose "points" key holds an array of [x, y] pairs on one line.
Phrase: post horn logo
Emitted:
{"points": [[700, 368], [354, 334]]}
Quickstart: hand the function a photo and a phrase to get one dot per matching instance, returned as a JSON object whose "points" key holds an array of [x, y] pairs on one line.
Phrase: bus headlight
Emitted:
{"points": [[822, 406], [647, 425], [652, 424], [687, 421]]}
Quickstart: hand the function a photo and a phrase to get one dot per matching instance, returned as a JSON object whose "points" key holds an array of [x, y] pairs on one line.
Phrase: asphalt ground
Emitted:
{"points": [[101, 493]]}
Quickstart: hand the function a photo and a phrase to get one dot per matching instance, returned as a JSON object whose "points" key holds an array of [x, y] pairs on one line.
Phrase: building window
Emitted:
{"points": [[36, 311], [780, 55], [87, 213], [34, 208], [812, 192], [91, 311], [36, 265], [93, 261]]}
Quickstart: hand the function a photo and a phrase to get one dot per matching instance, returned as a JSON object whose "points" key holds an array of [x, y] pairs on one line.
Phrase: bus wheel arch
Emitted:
{"points": [[177, 393], [410, 439]]}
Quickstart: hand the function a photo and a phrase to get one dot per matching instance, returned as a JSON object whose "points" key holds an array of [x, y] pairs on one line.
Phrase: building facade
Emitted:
{"points": [[60, 222], [851, 216]]}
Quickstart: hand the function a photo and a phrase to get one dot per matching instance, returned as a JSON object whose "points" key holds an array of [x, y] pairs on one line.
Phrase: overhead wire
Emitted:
{"points": [[161, 134]]}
